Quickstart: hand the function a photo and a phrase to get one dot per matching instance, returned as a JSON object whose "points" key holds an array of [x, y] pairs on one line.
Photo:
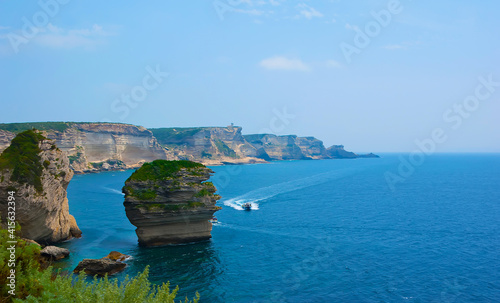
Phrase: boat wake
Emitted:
{"points": [[261, 194], [115, 191]]}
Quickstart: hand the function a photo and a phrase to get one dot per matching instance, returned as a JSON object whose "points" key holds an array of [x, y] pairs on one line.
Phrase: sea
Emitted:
{"points": [[389, 229]]}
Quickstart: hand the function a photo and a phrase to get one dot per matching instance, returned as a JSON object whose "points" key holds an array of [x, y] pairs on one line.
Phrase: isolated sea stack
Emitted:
{"points": [[169, 202], [39, 173]]}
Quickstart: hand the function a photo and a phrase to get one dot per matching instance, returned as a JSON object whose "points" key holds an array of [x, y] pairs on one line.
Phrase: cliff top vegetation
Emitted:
{"points": [[23, 158], [162, 169]]}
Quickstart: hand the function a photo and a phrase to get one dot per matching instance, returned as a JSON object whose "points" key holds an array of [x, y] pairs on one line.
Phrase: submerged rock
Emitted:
{"points": [[99, 267], [169, 202], [37, 174], [54, 253]]}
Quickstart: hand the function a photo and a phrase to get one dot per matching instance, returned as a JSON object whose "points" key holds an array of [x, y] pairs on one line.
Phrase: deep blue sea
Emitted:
{"points": [[320, 231]]}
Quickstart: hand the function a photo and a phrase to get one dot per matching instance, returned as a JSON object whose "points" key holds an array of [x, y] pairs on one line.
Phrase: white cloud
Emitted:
{"points": [[394, 46], [253, 12], [56, 37], [332, 64], [283, 63], [404, 45], [308, 12], [351, 27]]}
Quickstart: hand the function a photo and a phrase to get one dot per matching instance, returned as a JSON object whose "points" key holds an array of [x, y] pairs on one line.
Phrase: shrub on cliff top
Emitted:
{"points": [[162, 169], [22, 156]]}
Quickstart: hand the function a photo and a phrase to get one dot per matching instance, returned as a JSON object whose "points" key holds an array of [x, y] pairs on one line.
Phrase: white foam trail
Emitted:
{"points": [[265, 193], [115, 191]]}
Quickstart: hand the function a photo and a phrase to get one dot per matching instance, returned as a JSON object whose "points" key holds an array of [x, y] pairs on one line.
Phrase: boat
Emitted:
{"points": [[213, 220], [246, 206]]}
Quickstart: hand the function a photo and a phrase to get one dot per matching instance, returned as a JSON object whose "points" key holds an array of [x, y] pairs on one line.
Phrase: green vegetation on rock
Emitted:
{"points": [[163, 169], [73, 158], [223, 148], [21, 127], [174, 135], [202, 193], [145, 194], [22, 157]]}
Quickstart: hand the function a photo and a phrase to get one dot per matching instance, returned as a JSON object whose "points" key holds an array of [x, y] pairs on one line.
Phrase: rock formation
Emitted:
{"points": [[111, 264], [54, 253], [169, 202], [99, 267], [38, 172]]}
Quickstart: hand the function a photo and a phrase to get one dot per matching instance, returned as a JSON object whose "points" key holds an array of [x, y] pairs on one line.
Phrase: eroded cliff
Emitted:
{"points": [[208, 145], [94, 147], [169, 202], [98, 146], [39, 173]]}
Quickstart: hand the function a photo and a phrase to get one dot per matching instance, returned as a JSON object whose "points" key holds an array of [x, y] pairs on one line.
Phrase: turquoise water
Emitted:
{"points": [[321, 231]]}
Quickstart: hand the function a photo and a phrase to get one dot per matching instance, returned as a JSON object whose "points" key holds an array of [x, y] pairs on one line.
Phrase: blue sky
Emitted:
{"points": [[267, 65]]}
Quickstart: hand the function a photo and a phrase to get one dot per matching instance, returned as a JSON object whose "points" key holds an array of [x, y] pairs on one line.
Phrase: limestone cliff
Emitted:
{"points": [[208, 145], [39, 173], [338, 152], [99, 146], [291, 147], [169, 202], [288, 147], [94, 147]]}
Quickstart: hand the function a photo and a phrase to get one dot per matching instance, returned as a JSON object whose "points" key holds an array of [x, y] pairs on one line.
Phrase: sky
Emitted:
{"points": [[375, 76]]}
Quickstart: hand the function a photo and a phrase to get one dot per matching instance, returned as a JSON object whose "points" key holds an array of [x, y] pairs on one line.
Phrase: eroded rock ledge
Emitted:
{"points": [[169, 202], [39, 173]]}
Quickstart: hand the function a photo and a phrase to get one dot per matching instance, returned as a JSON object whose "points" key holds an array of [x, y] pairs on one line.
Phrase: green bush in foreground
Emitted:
{"points": [[34, 284]]}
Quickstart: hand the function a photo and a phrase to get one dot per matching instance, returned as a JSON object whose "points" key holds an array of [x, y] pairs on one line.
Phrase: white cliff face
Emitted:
{"points": [[209, 145], [94, 147], [103, 146], [43, 215], [5, 138]]}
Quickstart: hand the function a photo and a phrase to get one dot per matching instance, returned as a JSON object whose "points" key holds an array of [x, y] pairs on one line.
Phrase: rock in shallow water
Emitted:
{"points": [[99, 267], [117, 256], [54, 253], [169, 203]]}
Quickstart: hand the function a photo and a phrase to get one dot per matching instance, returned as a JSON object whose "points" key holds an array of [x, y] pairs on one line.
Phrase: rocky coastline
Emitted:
{"points": [[97, 147]]}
